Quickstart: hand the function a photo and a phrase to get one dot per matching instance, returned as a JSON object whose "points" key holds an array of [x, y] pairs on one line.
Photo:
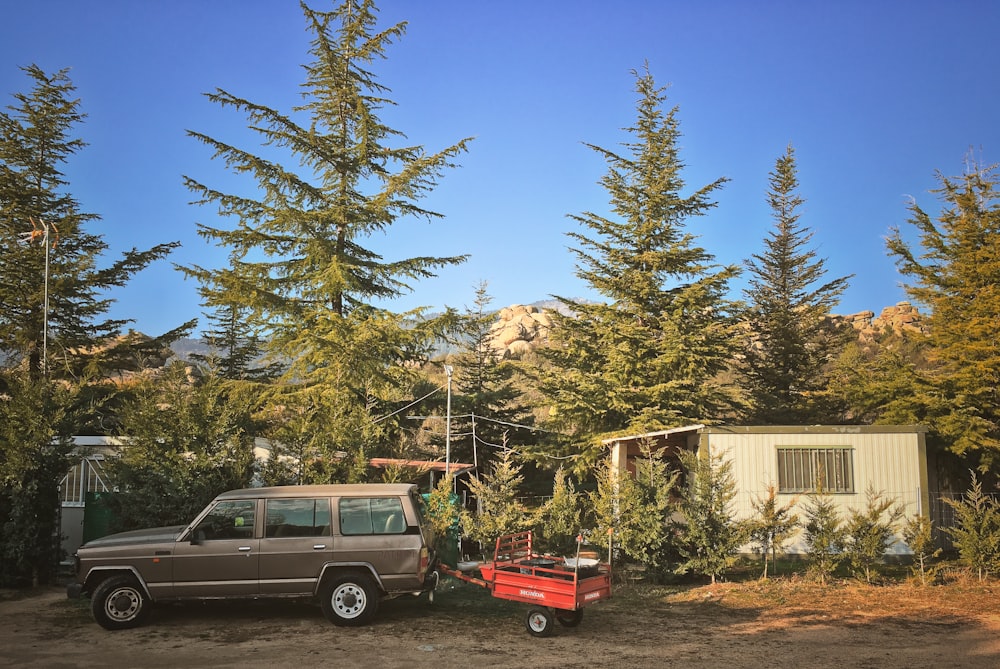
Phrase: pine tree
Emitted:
{"points": [[636, 511], [498, 511], [487, 407], [47, 255], [773, 525], [882, 382], [235, 352], [824, 534], [298, 264], [976, 533], [710, 535], [870, 532], [649, 357], [560, 519], [957, 276], [792, 341]]}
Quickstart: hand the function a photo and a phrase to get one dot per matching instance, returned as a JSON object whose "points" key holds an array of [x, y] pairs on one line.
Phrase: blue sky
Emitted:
{"points": [[875, 96]]}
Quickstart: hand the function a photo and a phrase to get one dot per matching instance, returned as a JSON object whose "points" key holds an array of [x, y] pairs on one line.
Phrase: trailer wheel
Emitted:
{"points": [[539, 622], [569, 618]]}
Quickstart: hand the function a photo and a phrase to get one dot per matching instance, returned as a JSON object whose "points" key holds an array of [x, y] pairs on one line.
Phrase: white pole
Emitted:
{"points": [[447, 430], [45, 308]]}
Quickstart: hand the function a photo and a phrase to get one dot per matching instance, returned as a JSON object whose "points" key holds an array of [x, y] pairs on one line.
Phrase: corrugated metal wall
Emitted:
{"points": [[892, 463]]}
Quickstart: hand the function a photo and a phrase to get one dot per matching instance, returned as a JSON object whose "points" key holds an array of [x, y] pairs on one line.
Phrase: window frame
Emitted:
{"points": [[798, 466]]}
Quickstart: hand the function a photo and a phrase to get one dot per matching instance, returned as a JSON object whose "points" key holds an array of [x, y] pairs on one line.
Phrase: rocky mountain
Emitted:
{"points": [[520, 328]]}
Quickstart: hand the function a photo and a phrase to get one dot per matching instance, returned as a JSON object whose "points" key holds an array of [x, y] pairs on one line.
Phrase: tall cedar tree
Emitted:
{"points": [[649, 358], [298, 265], [35, 144], [957, 277], [486, 410], [792, 343]]}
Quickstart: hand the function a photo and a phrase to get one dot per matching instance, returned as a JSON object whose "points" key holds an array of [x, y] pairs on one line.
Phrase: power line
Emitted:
{"points": [[436, 390]]}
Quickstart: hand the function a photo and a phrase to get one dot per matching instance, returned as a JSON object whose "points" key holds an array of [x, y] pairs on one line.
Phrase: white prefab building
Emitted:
{"points": [[851, 459]]}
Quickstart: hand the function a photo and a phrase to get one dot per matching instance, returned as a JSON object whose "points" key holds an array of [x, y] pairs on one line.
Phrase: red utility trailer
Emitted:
{"points": [[554, 587]]}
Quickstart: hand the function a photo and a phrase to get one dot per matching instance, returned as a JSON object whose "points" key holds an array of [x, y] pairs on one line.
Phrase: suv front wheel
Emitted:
{"points": [[349, 600], [119, 603]]}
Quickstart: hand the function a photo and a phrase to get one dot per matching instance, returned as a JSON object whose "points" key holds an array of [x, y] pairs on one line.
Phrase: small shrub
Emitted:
{"points": [[559, 521], [977, 533], [919, 536], [772, 526], [636, 511], [824, 535], [498, 512], [869, 532]]}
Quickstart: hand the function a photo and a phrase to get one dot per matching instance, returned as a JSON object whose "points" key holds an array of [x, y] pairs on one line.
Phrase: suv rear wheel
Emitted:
{"points": [[349, 600], [119, 603]]}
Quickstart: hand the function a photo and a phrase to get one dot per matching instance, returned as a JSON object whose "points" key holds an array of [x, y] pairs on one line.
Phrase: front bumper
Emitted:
{"points": [[74, 590]]}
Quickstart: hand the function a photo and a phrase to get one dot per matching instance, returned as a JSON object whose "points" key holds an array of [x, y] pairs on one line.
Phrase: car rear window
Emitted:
{"points": [[372, 515]]}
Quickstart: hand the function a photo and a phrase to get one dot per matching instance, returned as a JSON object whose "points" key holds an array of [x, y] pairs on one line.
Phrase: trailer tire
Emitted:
{"points": [[539, 622], [569, 618]]}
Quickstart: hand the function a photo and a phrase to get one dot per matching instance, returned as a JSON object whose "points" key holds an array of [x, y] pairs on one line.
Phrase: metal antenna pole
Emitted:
{"points": [[45, 307], [447, 430]]}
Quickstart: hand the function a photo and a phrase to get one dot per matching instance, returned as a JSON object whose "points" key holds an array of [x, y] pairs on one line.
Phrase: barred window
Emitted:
{"points": [[800, 468]]}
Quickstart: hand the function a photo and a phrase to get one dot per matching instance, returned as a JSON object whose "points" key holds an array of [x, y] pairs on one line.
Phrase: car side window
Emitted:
{"points": [[297, 518], [372, 515], [229, 519]]}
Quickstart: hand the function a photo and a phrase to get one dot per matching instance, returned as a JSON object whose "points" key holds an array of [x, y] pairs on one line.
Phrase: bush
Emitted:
{"points": [[560, 520], [824, 534], [977, 533], [868, 532], [772, 526], [498, 512], [710, 536], [919, 536]]}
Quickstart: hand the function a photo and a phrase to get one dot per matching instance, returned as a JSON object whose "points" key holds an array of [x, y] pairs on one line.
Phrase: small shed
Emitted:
{"points": [[851, 459]]}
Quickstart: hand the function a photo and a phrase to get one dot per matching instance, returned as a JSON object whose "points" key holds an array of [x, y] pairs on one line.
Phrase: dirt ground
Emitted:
{"points": [[780, 623]]}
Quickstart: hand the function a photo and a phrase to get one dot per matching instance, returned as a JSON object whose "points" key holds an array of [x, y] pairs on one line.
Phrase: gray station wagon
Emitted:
{"points": [[347, 545]]}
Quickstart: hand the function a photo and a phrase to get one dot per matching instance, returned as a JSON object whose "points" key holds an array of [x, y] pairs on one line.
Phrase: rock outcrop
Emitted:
{"points": [[902, 318], [519, 329]]}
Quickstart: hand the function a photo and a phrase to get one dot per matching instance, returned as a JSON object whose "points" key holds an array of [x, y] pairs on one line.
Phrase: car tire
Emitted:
{"points": [[349, 600], [119, 602]]}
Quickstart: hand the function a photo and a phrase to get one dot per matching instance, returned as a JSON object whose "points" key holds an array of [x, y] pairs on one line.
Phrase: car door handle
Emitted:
{"points": [[319, 547], [244, 549]]}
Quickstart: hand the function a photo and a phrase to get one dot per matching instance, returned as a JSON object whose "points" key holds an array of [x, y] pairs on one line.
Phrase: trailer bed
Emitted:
{"points": [[548, 583]]}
